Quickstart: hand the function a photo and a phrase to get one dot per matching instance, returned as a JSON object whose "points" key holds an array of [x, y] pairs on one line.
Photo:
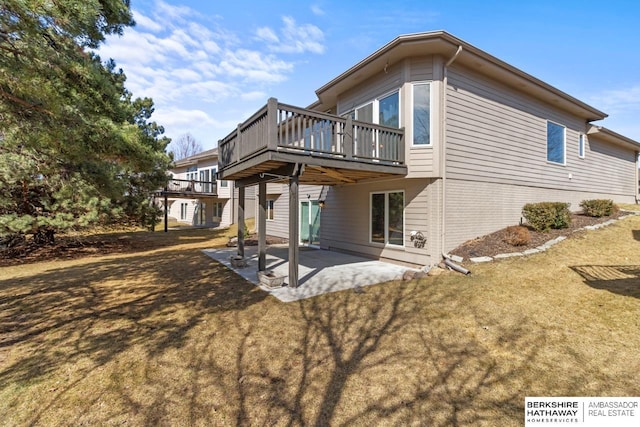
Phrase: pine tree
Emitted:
{"points": [[74, 148]]}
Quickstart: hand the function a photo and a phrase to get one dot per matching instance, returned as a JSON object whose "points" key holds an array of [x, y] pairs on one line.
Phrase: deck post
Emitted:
{"points": [[166, 212], [294, 227], [262, 226], [272, 124], [238, 142], [241, 223], [347, 138], [401, 148]]}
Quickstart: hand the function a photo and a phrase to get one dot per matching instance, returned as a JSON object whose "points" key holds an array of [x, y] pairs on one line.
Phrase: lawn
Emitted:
{"points": [[162, 335]]}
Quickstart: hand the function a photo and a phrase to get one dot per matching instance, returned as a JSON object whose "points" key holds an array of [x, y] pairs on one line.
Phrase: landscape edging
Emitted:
{"points": [[550, 243]]}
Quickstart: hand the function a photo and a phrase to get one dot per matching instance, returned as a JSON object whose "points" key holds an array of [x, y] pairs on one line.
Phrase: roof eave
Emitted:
{"points": [[613, 137], [442, 43]]}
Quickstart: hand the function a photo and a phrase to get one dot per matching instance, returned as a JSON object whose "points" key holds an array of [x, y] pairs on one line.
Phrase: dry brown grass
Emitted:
{"points": [[169, 337]]}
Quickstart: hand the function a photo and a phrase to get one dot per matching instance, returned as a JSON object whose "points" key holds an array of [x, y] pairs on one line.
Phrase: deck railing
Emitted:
{"points": [[189, 186], [282, 127]]}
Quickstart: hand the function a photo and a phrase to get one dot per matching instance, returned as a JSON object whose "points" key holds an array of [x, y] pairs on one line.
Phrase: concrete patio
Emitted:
{"points": [[320, 271]]}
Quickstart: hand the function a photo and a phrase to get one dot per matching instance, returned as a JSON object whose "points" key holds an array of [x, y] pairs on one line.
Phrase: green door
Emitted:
{"points": [[310, 223]]}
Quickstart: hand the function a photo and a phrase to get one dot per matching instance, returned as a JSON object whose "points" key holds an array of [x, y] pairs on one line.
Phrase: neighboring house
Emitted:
{"points": [[424, 144], [195, 197]]}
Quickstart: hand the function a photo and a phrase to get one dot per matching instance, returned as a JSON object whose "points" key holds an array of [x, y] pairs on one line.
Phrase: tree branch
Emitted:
{"points": [[24, 103]]}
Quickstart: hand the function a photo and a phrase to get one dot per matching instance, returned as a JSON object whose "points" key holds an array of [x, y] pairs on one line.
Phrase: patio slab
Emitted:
{"points": [[320, 271]]}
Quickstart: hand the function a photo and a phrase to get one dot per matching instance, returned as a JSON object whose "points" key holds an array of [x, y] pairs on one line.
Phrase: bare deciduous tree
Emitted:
{"points": [[185, 146]]}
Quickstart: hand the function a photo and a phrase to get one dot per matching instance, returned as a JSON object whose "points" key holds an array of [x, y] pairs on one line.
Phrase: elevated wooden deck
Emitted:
{"points": [[334, 150], [191, 189]]}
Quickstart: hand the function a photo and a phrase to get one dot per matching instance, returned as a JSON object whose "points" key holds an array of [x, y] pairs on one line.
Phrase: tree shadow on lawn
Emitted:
{"points": [[384, 355], [100, 309], [618, 279], [402, 353]]}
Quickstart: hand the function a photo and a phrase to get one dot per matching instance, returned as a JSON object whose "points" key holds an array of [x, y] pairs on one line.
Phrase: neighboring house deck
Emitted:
{"points": [[194, 196]]}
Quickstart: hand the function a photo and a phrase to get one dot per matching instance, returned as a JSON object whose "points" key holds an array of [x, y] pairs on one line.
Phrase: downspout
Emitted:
{"points": [[443, 133], [637, 179]]}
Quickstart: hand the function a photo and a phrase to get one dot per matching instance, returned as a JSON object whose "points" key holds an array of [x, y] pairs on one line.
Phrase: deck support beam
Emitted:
{"points": [[166, 212], [294, 229], [241, 223], [262, 226]]}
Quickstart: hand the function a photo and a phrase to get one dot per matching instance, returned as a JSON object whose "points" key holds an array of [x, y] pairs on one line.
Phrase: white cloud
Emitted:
{"points": [[173, 12], [191, 65], [623, 107], [267, 34], [317, 10], [296, 38], [253, 96], [146, 23], [618, 101], [253, 65]]}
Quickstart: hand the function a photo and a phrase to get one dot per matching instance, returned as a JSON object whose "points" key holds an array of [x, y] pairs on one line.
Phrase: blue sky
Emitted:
{"points": [[209, 64]]}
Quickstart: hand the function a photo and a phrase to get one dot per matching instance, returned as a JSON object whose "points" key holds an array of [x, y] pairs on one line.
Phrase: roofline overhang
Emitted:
{"points": [[613, 137], [444, 44], [192, 160]]}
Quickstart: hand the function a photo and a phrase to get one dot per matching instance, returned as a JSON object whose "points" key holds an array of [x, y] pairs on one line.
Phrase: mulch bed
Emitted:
{"points": [[494, 243]]}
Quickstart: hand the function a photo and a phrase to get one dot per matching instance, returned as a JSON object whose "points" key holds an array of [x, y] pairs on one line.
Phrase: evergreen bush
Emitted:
{"points": [[545, 216], [598, 207]]}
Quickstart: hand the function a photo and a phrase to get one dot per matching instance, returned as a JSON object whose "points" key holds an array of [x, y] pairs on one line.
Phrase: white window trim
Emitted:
{"points": [[386, 218], [376, 107], [273, 209], [410, 128], [582, 145], [564, 143]]}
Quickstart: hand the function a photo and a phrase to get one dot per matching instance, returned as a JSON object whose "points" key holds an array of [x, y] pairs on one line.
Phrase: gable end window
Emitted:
{"points": [[421, 114], [581, 144], [555, 143]]}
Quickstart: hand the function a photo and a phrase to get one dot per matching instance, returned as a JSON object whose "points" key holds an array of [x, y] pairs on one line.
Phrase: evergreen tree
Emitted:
{"points": [[74, 147]]}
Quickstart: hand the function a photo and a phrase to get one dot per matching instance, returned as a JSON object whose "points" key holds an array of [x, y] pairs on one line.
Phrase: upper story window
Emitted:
{"points": [[421, 114], [384, 111], [581, 144], [555, 143], [389, 110]]}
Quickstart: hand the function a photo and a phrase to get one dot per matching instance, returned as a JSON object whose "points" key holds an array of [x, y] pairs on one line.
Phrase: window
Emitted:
{"points": [[385, 110], [389, 110], [555, 143], [183, 211], [581, 143], [422, 114], [217, 209], [270, 205], [387, 218], [224, 183], [365, 113]]}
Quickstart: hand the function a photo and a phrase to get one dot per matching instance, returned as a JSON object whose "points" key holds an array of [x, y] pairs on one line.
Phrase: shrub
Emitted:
{"points": [[547, 215], [598, 207], [517, 235]]}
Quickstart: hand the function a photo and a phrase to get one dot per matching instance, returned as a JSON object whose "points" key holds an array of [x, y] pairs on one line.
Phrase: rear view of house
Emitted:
{"points": [[424, 144]]}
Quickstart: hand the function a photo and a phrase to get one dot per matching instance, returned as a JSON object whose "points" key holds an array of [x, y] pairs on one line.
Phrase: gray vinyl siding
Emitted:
{"points": [[497, 135], [279, 226], [496, 154], [346, 216], [478, 208], [372, 88], [421, 161]]}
